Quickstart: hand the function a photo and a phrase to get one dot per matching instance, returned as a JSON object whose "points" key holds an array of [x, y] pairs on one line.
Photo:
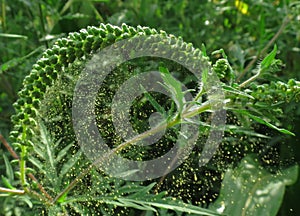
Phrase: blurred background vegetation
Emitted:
{"points": [[242, 28]]}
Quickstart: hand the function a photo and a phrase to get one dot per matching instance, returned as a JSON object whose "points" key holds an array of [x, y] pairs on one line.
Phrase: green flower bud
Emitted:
{"points": [[103, 26], [36, 94], [41, 63], [110, 28], [147, 30], [49, 52], [90, 38], [93, 30], [125, 36], [97, 44], [40, 85], [63, 52], [79, 53], [132, 30], [118, 31], [64, 42], [71, 55], [102, 33], [140, 29], [78, 44], [55, 49], [87, 47], [110, 38], [125, 28], [28, 110], [47, 80], [20, 116], [28, 100], [36, 104], [75, 36], [64, 60], [53, 59]]}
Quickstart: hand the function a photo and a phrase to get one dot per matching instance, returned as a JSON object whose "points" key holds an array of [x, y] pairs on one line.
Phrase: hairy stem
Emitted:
{"points": [[250, 79]]}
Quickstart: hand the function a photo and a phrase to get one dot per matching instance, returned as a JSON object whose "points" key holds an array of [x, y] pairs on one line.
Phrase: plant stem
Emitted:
{"points": [[250, 79], [37, 195], [30, 175], [186, 114], [12, 191], [9, 148], [23, 167]]}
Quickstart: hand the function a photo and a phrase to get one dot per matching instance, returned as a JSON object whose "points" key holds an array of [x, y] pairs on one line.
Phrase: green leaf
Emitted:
{"points": [[69, 164], [267, 61], [7, 183], [204, 76], [135, 204], [63, 152], [264, 122], [16, 36], [203, 49], [144, 203], [139, 197], [250, 190], [245, 131], [47, 142], [9, 169], [174, 86], [154, 103], [37, 163], [236, 91], [176, 206], [62, 198], [143, 190]]}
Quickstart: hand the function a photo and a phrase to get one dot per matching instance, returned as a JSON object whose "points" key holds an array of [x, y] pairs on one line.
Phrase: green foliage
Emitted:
{"points": [[250, 190], [51, 176]]}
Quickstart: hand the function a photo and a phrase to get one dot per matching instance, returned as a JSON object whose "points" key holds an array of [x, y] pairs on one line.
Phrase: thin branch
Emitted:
{"points": [[9, 148], [12, 191], [274, 38], [39, 196], [30, 175], [250, 79]]}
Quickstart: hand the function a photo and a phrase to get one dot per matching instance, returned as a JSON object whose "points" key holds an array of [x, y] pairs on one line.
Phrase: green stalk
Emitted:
{"points": [[23, 167]]}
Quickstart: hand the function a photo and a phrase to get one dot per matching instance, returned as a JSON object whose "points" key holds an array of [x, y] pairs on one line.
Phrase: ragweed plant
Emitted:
{"points": [[58, 177]]}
